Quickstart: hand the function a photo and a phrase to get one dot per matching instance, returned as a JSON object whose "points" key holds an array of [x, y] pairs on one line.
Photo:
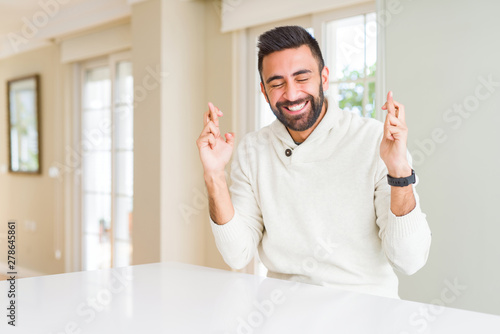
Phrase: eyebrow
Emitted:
{"points": [[276, 77]]}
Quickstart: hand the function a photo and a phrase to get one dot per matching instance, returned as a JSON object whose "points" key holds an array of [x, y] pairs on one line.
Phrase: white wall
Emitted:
{"points": [[183, 238], [219, 89], [170, 206], [146, 58], [437, 51], [240, 14], [34, 201]]}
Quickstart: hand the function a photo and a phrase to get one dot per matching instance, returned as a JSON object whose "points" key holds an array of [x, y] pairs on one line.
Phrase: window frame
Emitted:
{"points": [[111, 62], [319, 24]]}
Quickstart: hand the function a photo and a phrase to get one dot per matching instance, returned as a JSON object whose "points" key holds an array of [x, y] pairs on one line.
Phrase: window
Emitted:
{"points": [[350, 52], [107, 162]]}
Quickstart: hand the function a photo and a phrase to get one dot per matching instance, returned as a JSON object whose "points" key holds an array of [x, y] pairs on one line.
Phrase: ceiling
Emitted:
{"points": [[13, 11], [29, 24]]}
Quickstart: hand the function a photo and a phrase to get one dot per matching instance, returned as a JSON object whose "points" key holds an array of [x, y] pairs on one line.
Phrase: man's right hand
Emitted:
{"points": [[215, 152]]}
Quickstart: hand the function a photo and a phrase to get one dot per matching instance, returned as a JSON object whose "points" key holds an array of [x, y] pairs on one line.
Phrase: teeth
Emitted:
{"points": [[298, 107]]}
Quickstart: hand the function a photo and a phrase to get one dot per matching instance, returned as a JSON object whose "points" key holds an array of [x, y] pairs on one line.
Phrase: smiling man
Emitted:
{"points": [[325, 196]]}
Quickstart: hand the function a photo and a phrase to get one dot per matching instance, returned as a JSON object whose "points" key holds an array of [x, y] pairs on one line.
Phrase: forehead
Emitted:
{"points": [[288, 61]]}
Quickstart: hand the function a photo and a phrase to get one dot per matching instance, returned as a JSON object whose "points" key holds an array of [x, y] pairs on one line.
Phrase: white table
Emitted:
{"points": [[181, 298]]}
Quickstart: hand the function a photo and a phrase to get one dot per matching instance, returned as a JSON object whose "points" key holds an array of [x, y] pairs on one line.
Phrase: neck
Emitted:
{"points": [[300, 136]]}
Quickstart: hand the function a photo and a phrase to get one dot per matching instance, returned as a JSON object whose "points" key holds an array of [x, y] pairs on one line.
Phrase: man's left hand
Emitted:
{"points": [[393, 145]]}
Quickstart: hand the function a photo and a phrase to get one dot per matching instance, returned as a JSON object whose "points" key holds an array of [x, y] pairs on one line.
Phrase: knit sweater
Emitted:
{"points": [[319, 212]]}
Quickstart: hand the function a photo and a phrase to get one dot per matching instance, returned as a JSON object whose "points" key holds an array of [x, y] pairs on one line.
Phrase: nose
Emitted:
{"points": [[292, 91]]}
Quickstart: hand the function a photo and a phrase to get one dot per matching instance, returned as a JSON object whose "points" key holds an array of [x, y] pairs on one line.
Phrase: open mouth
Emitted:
{"points": [[297, 108]]}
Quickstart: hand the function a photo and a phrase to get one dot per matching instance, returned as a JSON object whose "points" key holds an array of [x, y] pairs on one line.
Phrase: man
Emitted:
{"points": [[311, 191]]}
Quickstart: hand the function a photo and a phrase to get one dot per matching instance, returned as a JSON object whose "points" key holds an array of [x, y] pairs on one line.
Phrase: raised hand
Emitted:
{"points": [[215, 151], [393, 145]]}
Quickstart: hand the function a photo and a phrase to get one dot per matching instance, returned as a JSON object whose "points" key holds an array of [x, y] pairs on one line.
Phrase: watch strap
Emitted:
{"points": [[401, 181]]}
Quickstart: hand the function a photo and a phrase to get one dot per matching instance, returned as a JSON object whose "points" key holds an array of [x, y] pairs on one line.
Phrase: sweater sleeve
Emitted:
{"points": [[406, 240], [237, 240]]}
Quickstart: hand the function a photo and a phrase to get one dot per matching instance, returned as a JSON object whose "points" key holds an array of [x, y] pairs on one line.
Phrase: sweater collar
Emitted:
{"points": [[324, 126]]}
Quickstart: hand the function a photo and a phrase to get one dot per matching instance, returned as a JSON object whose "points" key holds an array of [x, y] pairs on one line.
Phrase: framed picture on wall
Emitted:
{"points": [[23, 113]]}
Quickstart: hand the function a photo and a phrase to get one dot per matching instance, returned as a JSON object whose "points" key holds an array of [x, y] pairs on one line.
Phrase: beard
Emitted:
{"points": [[304, 120]]}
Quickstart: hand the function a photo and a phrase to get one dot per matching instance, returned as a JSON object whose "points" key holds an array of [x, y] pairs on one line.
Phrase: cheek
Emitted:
{"points": [[274, 97], [312, 89]]}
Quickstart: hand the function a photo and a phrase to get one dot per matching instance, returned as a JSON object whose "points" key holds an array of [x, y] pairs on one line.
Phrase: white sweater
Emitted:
{"points": [[321, 215]]}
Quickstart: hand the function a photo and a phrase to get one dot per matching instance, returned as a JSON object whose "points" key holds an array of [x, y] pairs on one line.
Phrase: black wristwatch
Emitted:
{"points": [[402, 181]]}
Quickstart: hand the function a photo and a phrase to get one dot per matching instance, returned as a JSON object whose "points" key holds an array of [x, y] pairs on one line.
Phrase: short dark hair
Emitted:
{"points": [[287, 37]]}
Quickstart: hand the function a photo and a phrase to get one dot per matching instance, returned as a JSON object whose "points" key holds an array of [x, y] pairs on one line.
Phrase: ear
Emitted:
{"points": [[263, 90], [325, 81]]}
